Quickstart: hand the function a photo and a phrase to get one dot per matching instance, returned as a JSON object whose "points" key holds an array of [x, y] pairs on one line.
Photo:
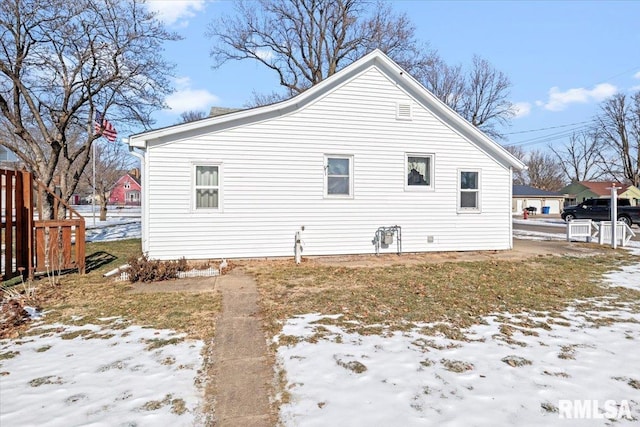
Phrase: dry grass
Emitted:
{"points": [[83, 299], [459, 293]]}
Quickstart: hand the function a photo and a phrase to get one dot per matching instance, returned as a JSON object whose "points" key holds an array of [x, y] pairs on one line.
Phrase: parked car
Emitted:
{"points": [[600, 210]]}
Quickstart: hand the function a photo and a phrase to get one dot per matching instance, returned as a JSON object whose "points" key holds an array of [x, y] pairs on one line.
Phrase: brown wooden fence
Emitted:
{"points": [[31, 242], [17, 223], [54, 238]]}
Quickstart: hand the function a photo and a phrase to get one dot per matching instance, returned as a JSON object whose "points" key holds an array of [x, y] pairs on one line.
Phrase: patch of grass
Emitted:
{"points": [[8, 355], [557, 374], [43, 348], [631, 381], [457, 366], [567, 352], [76, 334], [154, 405], [457, 293], [155, 343], [353, 365], [51, 379], [426, 363], [515, 361], [91, 297]]}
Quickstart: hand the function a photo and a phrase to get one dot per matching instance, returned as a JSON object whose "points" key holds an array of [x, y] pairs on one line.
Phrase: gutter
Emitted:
{"points": [[143, 196]]}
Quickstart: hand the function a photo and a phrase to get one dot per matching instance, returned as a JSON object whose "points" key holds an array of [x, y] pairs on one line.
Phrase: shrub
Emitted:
{"points": [[145, 270]]}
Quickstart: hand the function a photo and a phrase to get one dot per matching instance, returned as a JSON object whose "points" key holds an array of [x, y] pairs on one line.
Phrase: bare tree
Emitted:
{"points": [[192, 116], [306, 41], [485, 102], [543, 169], [520, 176], [61, 63], [446, 82], [618, 126], [260, 99], [580, 158], [112, 162]]}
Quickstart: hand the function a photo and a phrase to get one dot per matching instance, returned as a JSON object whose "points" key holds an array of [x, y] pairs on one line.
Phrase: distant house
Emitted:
{"points": [[578, 192], [366, 159], [7, 158], [127, 191], [524, 196]]}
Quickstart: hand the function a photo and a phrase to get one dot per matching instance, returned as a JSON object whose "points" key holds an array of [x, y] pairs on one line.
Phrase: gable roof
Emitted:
{"points": [[375, 59], [130, 178], [601, 188], [525, 190]]}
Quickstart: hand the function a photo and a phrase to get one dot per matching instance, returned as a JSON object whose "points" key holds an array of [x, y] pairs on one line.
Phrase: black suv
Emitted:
{"points": [[600, 210]]}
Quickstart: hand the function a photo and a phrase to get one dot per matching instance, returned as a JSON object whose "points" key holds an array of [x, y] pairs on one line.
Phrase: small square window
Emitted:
{"points": [[419, 171], [339, 171]]}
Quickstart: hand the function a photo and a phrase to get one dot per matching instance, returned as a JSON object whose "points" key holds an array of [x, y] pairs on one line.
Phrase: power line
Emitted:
{"points": [[550, 137], [548, 128]]}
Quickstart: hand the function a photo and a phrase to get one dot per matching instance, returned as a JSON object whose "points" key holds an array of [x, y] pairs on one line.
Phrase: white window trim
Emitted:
{"points": [[429, 187], [477, 209], [192, 187], [326, 176]]}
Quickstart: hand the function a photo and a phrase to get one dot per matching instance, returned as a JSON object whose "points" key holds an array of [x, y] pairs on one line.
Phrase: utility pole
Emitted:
{"points": [[614, 215]]}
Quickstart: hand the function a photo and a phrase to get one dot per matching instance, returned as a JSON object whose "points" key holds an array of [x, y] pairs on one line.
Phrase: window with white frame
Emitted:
{"points": [[469, 186], [339, 176], [419, 172], [206, 187]]}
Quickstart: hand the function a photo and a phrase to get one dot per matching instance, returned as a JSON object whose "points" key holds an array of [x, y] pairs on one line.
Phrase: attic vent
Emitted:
{"points": [[404, 111]]}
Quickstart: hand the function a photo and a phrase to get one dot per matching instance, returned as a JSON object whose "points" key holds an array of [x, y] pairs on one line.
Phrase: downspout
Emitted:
{"points": [[143, 198], [509, 207]]}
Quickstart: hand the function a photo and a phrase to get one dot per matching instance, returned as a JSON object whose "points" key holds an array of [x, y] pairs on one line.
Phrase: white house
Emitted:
{"points": [[367, 148]]}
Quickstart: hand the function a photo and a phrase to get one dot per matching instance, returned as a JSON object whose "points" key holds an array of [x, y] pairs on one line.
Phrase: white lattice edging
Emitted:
{"points": [[199, 273]]}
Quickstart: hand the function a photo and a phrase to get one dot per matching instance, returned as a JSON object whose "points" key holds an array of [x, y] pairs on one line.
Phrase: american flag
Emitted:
{"points": [[104, 127]]}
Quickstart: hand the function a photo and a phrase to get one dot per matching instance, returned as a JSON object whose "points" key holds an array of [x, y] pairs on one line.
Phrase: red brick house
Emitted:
{"points": [[126, 191]]}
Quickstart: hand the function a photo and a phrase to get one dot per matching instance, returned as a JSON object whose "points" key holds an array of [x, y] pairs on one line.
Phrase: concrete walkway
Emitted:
{"points": [[242, 373]]}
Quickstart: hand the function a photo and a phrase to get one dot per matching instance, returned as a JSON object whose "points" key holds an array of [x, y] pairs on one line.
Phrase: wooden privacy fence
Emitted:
{"points": [[17, 223], [31, 242]]}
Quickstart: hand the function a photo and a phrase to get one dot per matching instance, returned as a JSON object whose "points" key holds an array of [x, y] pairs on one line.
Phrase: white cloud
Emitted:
{"points": [[521, 109], [634, 88], [264, 54], [186, 98], [176, 13], [559, 101], [637, 75]]}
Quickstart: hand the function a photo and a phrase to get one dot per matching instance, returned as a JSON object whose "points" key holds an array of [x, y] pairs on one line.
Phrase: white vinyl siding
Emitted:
{"points": [[274, 182]]}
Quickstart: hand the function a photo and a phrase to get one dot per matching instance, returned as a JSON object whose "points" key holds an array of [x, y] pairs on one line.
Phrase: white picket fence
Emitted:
{"points": [[590, 230]]}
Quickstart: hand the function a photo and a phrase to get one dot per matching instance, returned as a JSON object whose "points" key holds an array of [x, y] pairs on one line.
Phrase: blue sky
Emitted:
{"points": [[563, 57]]}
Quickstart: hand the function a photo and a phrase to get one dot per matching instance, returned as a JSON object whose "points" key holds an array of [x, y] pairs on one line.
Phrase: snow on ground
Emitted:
{"points": [[110, 377], [113, 229], [547, 222], [120, 224], [413, 379]]}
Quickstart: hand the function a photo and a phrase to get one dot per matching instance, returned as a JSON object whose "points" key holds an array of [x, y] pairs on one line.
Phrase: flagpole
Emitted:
{"points": [[93, 199]]}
